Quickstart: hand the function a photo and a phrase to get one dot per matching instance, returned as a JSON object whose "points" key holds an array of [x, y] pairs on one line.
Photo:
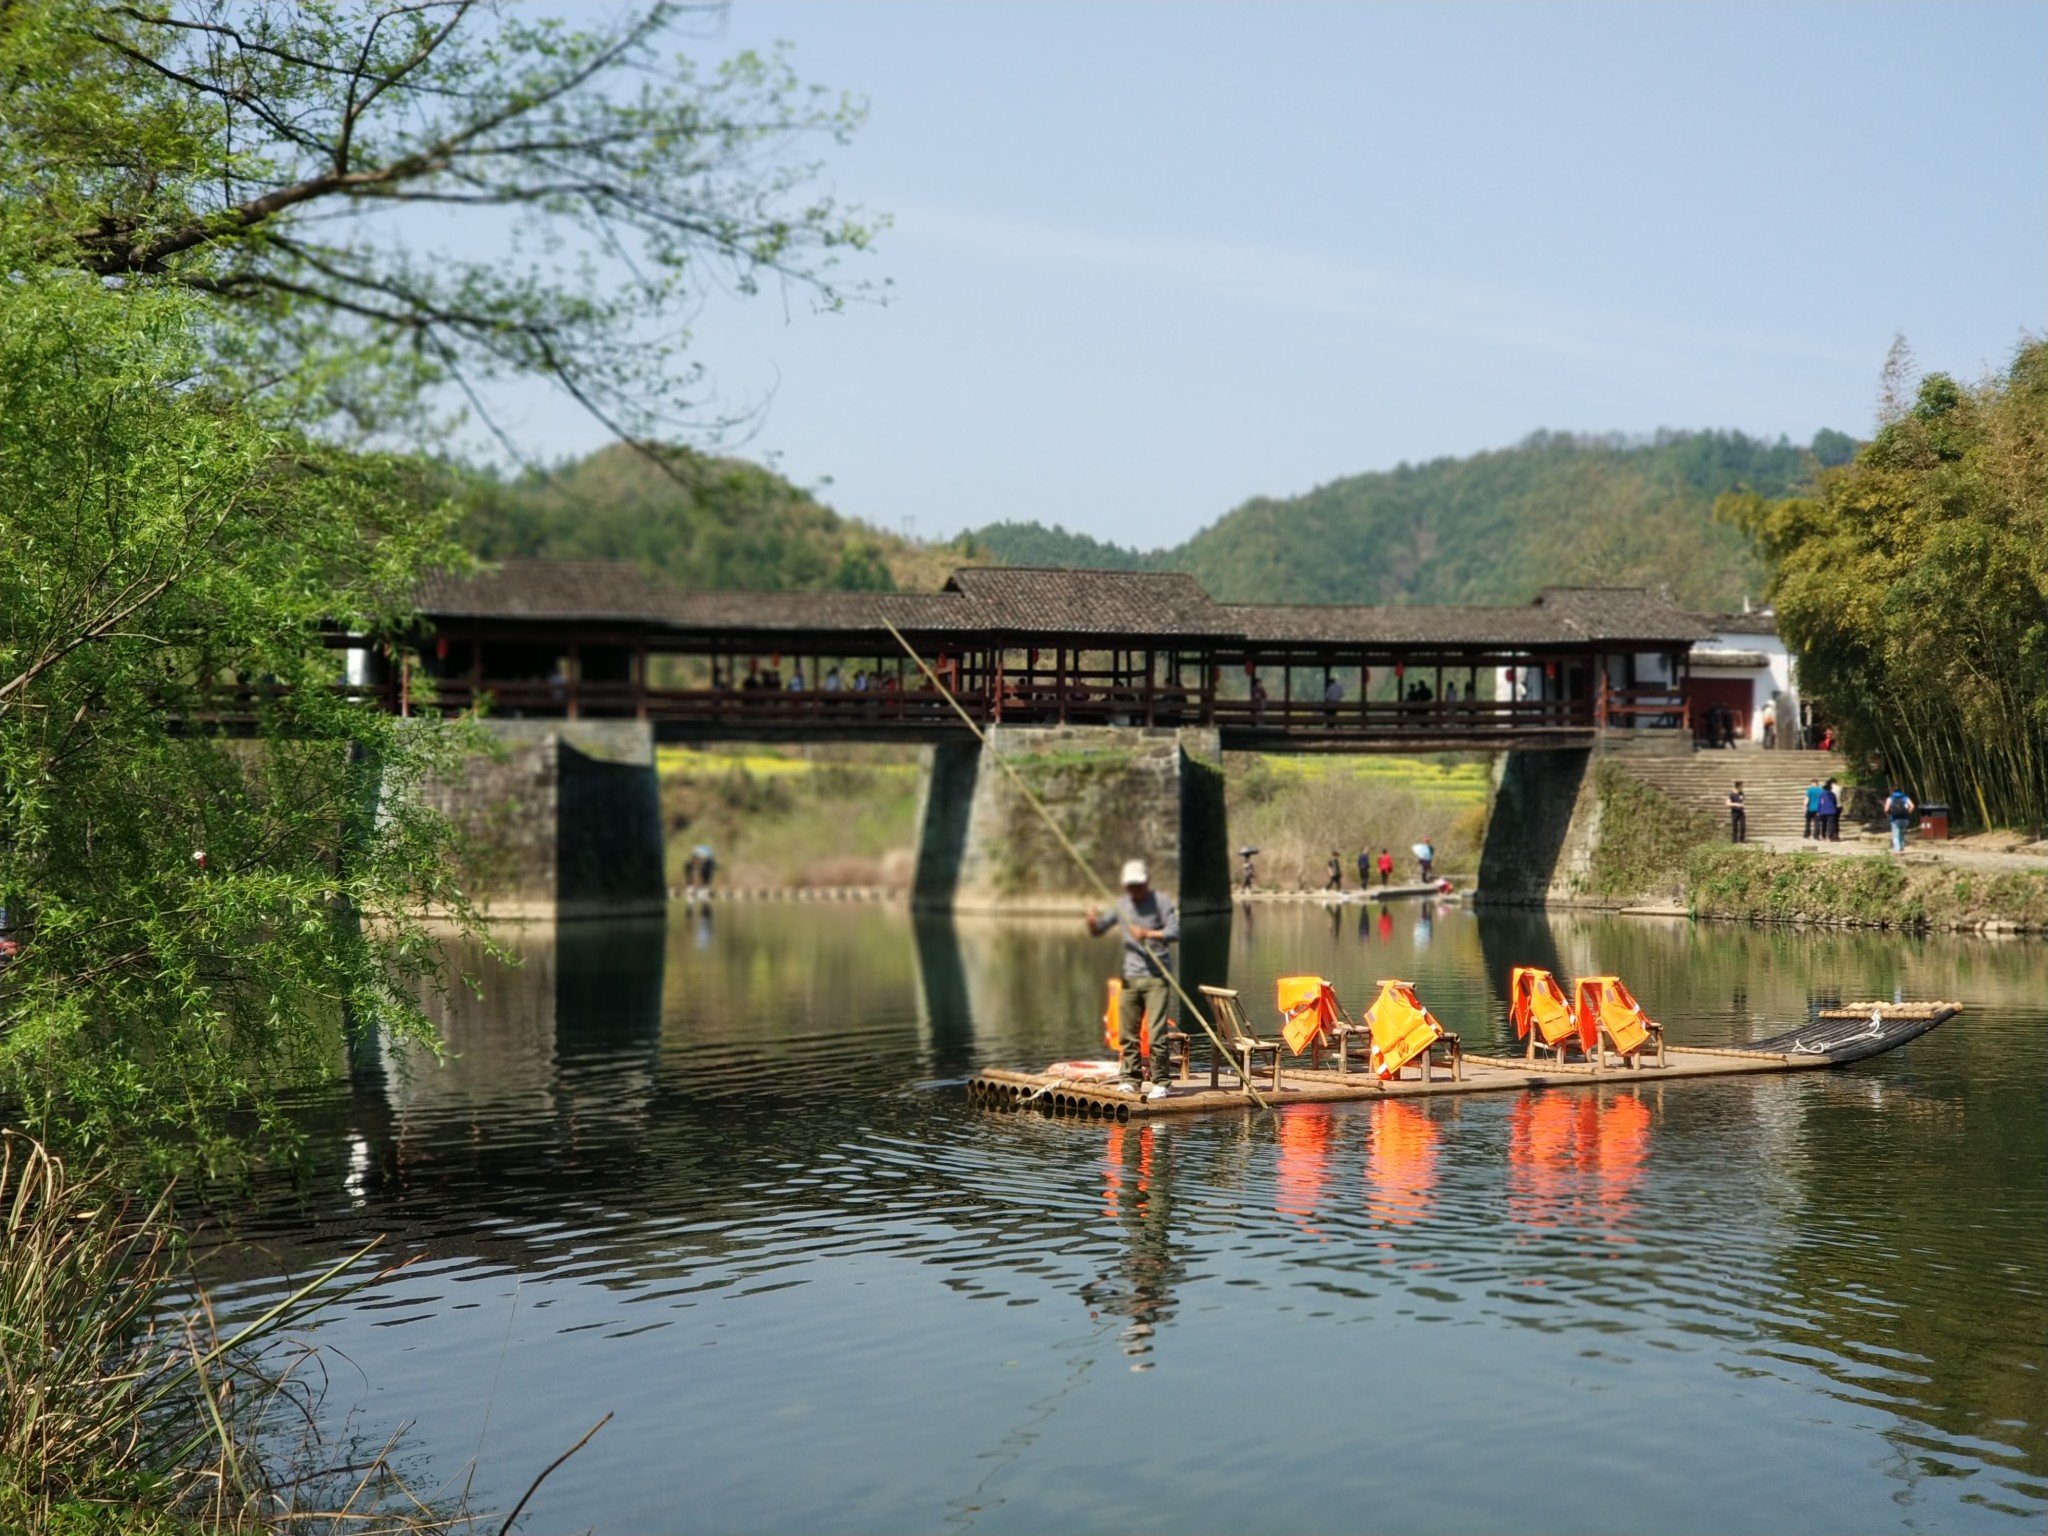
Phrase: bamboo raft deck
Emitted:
{"points": [[1834, 1037]]}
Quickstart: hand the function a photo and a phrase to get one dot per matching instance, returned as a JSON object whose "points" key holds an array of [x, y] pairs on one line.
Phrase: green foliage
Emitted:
{"points": [[264, 153], [1033, 544], [1645, 837], [1914, 585], [696, 520], [170, 559], [1491, 528]]}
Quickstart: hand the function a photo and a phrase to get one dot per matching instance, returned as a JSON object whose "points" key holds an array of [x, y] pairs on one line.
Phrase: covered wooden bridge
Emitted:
{"points": [[582, 640]]}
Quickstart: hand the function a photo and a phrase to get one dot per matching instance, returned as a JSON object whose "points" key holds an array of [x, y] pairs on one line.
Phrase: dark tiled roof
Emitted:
{"points": [[1763, 621], [1617, 614], [1306, 624], [545, 589], [1021, 600], [1075, 605], [836, 612]]}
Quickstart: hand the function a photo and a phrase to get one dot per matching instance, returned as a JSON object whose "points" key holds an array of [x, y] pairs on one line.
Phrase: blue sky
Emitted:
{"points": [[1149, 260]]}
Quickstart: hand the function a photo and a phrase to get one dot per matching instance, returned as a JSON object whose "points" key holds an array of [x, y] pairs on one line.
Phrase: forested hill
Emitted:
{"points": [[696, 520], [1493, 527]]}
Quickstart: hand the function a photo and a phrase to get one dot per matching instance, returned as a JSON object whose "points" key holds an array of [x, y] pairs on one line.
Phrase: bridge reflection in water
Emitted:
{"points": [[719, 1183]]}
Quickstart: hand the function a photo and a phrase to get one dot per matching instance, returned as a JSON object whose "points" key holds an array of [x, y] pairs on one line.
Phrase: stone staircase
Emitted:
{"points": [[1773, 784]]}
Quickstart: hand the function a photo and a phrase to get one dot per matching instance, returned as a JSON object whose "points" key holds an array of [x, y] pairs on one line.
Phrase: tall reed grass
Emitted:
{"points": [[119, 1415]]}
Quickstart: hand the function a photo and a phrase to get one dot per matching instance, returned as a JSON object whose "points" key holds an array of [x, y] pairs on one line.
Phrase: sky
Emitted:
{"points": [[1149, 260]]}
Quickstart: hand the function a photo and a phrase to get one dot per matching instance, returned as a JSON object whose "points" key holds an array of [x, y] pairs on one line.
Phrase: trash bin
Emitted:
{"points": [[1934, 821]]}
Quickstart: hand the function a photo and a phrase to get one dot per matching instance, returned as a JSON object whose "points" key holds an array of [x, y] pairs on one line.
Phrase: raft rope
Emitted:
{"points": [[1101, 887]]}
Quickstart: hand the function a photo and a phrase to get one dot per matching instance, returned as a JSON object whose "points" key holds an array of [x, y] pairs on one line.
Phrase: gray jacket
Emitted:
{"points": [[1150, 957]]}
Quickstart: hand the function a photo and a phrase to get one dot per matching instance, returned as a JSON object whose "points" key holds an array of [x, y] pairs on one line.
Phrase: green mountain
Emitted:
{"points": [[1492, 527], [697, 520]]}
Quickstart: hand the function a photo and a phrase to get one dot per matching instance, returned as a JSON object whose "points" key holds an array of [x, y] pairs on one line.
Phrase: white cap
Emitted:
{"points": [[1135, 872]]}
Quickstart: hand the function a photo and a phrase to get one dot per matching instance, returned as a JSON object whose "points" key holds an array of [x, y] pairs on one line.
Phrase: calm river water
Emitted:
{"points": [[720, 1178]]}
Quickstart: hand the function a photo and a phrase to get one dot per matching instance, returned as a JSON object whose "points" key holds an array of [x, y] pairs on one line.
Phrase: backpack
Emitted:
{"points": [[1895, 807]]}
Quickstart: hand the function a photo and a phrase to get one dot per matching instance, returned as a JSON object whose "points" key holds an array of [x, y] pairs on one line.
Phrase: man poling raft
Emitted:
{"points": [[1592, 1033]]}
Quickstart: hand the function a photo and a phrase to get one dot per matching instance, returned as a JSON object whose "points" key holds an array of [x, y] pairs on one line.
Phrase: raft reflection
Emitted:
{"points": [[759, 1220]]}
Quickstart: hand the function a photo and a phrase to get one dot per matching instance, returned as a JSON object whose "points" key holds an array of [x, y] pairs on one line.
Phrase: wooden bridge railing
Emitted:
{"points": [[923, 710]]}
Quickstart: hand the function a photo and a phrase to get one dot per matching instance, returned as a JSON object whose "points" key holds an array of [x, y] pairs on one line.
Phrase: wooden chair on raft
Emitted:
{"points": [[1313, 1021], [1235, 1031], [1177, 1043], [1617, 1019], [1544, 1017], [1405, 1034]]}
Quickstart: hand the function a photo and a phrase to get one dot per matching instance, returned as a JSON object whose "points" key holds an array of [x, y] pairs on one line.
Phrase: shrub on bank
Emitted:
{"points": [[1878, 891]]}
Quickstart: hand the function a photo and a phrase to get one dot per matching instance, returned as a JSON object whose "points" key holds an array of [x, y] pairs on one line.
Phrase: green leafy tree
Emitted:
{"points": [[1913, 584], [270, 154], [196, 911]]}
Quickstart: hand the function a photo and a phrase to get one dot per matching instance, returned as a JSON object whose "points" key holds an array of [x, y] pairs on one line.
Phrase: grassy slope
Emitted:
{"points": [[775, 819], [1493, 527], [1650, 847], [780, 818]]}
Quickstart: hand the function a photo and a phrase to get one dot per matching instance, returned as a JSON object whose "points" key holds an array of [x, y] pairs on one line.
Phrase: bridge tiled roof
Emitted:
{"points": [[998, 601], [1026, 600], [1315, 624], [545, 589], [1621, 614]]}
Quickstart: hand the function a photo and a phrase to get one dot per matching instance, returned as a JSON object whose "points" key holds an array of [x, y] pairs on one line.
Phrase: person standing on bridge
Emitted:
{"points": [[1149, 924]]}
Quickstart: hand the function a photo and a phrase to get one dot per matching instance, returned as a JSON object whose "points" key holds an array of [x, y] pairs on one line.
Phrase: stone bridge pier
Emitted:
{"points": [[1118, 792], [563, 820]]}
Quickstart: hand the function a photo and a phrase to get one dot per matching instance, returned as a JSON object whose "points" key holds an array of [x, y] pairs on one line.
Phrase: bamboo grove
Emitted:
{"points": [[1913, 585]]}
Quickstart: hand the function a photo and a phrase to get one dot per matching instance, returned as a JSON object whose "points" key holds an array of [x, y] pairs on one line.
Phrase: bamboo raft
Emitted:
{"points": [[1834, 1037]]}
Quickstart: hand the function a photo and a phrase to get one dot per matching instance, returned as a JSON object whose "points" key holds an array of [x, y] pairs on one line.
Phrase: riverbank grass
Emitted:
{"points": [[119, 1418], [1879, 891]]}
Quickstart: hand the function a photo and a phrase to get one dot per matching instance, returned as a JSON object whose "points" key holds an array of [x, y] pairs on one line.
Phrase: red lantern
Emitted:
{"points": [[1251, 669], [441, 648], [1550, 669], [1400, 670]]}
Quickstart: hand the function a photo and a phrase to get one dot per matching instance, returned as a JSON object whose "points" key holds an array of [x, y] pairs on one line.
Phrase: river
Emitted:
{"points": [[719, 1178]]}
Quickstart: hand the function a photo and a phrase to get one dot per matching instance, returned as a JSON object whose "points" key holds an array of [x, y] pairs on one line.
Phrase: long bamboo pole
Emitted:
{"points": [[1102, 889]]}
